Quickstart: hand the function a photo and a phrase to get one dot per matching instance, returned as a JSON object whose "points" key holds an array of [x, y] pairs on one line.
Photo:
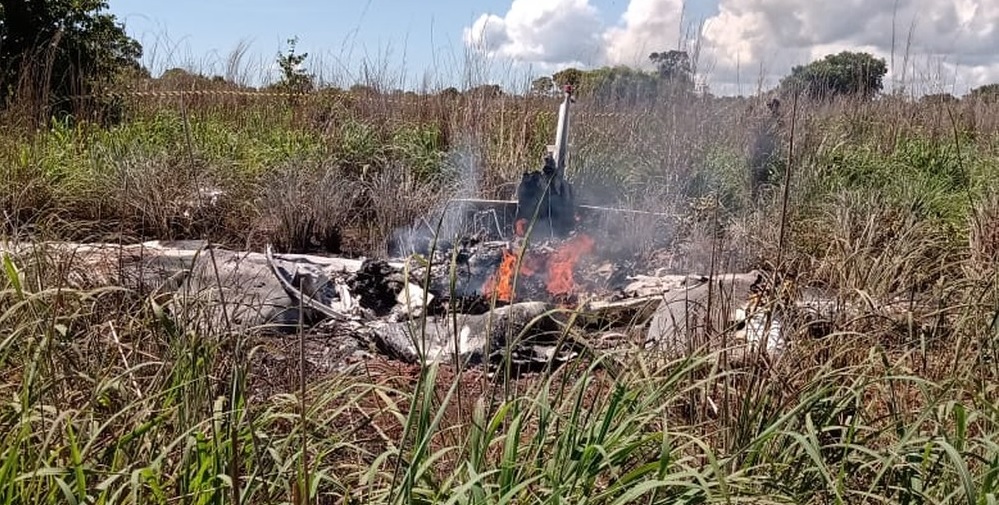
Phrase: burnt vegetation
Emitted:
{"points": [[885, 201]]}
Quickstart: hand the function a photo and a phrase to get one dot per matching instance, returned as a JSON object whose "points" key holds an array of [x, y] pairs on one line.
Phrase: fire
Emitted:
{"points": [[558, 269], [500, 283], [562, 263]]}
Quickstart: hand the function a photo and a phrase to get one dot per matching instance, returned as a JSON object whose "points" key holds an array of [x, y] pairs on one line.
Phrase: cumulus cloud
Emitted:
{"points": [[553, 32], [647, 26], [938, 45], [942, 44], [573, 32]]}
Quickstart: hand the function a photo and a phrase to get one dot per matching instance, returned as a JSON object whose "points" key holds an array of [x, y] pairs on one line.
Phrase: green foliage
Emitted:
{"points": [[674, 69], [294, 77], [723, 175], [620, 84], [421, 149], [112, 398], [625, 85], [543, 86], [178, 79], [844, 421], [53, 49], [933, 179], [568, 77], [844, 74], [988, 93]]}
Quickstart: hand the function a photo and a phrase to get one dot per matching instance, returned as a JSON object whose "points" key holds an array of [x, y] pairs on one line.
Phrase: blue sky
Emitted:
{"points": [[396, 37], [745, 45]]}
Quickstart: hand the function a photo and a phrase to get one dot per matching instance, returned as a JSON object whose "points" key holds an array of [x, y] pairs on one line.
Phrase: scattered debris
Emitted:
{"points": [[510, 285], [420, 310], [527, 333]]}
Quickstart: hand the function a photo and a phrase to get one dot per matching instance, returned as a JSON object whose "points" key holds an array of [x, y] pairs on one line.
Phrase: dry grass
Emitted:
{"points": [[892, 401]]}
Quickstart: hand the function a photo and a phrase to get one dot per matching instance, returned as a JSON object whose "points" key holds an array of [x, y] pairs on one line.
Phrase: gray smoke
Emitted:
{"points": [[446, 220]]}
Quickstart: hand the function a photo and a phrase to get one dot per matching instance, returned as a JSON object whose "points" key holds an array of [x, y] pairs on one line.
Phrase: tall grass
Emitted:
{"points": [[114, 401], [111, 398]]}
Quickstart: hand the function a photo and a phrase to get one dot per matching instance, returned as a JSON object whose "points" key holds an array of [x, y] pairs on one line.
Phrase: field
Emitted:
{"points": [[886, 203]]}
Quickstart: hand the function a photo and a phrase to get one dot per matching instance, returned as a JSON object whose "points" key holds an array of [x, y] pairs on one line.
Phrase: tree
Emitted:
{"points": [[843, 74], [620, 84], [543, 86], [674, 69], [294, 78], [450, 93], [55, 49], [179, 78], [568, 77], [988, 93], [485, 91], [626, 85]]}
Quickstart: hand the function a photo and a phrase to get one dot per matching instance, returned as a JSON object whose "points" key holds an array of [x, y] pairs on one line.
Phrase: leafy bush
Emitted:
{"points": [[52, 50], [988, 93], [842, 74]]}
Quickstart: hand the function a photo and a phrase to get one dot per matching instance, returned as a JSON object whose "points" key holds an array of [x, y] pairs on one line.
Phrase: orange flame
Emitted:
{"points": [[562, 263], [559, 269], [500, 283]]}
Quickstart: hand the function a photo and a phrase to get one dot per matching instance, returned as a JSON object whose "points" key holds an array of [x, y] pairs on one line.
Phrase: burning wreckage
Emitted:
{"points": [[523, 282]]}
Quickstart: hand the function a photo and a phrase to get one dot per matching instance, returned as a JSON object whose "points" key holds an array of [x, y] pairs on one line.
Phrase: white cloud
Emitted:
{"points": [[572, 32], [552, 32], [938, 45], [647, 26]]}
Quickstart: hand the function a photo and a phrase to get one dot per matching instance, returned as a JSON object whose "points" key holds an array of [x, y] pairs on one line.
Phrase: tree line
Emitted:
{"points": [[672, 75], [55, 51], [846, 73]]}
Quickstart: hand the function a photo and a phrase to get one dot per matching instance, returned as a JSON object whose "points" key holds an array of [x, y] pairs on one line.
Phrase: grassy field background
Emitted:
{"points": [[892, 207]]}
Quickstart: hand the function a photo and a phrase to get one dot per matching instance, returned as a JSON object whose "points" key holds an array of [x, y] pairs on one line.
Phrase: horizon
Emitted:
{"points": [[741, 47]]}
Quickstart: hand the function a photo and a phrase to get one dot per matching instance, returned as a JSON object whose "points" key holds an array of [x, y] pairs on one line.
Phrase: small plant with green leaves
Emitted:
{"points": [[120, 396], [294, 78]]}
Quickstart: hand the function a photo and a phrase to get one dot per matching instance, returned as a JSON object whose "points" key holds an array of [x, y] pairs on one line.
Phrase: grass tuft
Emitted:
{"points": [[111, 398]]}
